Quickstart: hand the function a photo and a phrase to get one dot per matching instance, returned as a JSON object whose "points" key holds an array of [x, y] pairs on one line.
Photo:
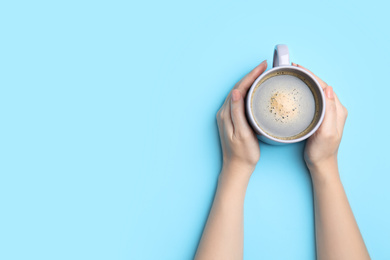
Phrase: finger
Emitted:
{"points": [[225, 120], [338, 103], [329, 123], [225, 128], [246, 82], [322, 83], [342, 112], [227, 98], [240, 124]]}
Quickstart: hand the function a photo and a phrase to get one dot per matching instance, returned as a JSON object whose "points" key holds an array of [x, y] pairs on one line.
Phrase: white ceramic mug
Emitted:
{"points": [[281, 65]]}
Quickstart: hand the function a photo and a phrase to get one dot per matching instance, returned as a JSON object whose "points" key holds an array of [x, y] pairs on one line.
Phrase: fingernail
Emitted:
{"points": [[329, 92], [294, 64], [263, 62], [236, 95]]}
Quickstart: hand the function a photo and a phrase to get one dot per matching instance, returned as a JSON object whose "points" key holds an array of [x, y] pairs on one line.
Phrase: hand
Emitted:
{"points": [[240, 146], [322, 147]]}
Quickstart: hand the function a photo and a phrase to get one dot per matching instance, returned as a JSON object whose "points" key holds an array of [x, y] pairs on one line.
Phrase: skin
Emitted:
{"points": [[337, 234]]}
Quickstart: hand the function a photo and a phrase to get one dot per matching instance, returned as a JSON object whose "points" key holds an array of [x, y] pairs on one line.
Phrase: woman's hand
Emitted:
{"points": [[337, 233], [223, 235], [240, 146], [322, 147]]}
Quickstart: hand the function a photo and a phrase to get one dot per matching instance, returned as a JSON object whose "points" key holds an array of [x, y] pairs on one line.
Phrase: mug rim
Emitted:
{"points": [[257, 128]]}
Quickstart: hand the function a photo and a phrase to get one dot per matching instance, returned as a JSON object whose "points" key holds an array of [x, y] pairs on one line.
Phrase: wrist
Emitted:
{"points": [[324, 171], [318, 165], [232, 184], [231, 189], [238, 172], [238, 167]]}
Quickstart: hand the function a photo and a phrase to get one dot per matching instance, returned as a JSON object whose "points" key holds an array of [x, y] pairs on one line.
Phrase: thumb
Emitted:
{"points": [[240, 124], [329, 124]]}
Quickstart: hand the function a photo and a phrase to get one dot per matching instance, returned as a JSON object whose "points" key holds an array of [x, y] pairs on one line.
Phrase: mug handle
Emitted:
{"points": [[281, 56]]}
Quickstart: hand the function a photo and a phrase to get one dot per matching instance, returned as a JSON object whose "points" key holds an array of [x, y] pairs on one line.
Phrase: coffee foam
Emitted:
{"points": [[283, 106]]}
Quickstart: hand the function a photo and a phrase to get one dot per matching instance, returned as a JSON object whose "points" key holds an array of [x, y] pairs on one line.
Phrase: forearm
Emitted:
{"points": [[223, 234], [337, 233]]}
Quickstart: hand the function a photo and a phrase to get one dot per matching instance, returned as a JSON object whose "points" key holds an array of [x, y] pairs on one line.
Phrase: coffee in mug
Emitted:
{"points": [[285, 104]]}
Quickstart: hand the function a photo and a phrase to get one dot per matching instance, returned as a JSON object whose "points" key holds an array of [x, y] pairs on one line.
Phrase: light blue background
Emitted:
{"points": [[109, 146]]}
